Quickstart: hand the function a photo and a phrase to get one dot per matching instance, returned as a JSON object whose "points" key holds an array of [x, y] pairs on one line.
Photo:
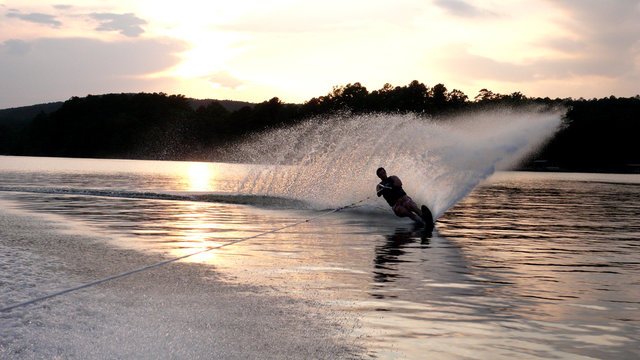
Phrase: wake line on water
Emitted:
{"points": [[242, 199], [330, 161]]}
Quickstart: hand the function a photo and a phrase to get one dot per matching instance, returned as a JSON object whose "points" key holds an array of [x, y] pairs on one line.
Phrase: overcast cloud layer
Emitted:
{"points": [[260, 49]]}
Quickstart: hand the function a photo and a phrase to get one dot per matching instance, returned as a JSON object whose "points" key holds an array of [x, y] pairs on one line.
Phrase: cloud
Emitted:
{"points": [[612, 25], [16, 47], [603, 40], [127, 24], [594, 52], [595, 76], [54, 69], [63, 7], [224, 79], [468, 65], [38, 18], [461, 8]]}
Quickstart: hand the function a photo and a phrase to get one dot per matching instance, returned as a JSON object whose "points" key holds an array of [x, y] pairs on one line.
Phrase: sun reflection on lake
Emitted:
{"points": [[198, 226], [199, 176]]}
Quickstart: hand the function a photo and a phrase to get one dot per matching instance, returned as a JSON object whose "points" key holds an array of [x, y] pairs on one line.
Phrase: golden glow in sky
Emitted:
{"points": [[255, 50]]}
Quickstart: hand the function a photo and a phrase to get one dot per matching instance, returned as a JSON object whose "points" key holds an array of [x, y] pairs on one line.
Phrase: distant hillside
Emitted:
{"points": [[230, 105], [27, 113]]}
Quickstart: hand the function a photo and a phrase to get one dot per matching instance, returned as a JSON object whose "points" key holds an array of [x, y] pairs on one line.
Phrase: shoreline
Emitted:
{"points": [[629, 169], [177, 310]]}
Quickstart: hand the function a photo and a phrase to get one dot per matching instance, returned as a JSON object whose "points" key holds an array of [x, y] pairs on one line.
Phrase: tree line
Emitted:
{"points": [[598, 134]]}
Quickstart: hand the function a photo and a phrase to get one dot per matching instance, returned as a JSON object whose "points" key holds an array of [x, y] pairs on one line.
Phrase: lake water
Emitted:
{"points": [[529, 265]]}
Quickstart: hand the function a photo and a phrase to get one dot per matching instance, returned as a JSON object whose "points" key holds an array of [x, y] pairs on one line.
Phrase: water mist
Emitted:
{"points": [[328, 162]]}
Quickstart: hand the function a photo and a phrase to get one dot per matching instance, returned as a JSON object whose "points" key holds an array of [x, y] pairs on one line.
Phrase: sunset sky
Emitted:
{"points": [[254, 50]]}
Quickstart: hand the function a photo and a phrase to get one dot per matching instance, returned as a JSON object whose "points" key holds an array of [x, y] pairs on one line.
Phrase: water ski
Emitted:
{"points": [[427, 217]]}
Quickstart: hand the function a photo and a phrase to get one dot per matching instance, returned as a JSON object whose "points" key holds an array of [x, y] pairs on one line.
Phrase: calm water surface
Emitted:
{"points": [[530, 265]]}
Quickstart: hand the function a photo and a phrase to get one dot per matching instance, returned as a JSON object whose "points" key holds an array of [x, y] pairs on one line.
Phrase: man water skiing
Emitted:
{"points": [[390, 188]]}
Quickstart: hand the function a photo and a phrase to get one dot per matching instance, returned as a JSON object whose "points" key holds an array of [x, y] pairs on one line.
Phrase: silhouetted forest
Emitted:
{"points": [[598, 134]]}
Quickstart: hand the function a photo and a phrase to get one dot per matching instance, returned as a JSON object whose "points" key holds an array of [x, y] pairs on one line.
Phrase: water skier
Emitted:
{"points": [[390, 188]]}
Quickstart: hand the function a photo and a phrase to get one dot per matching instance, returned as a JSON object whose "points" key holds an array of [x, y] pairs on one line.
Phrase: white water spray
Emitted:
{"points": [[328, 162]]}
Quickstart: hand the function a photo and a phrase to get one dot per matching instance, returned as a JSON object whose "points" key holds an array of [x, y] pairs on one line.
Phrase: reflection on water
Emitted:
{"points": [[200, 176], [122, 175], [556, 243], [389, 255], [533, 267]]}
